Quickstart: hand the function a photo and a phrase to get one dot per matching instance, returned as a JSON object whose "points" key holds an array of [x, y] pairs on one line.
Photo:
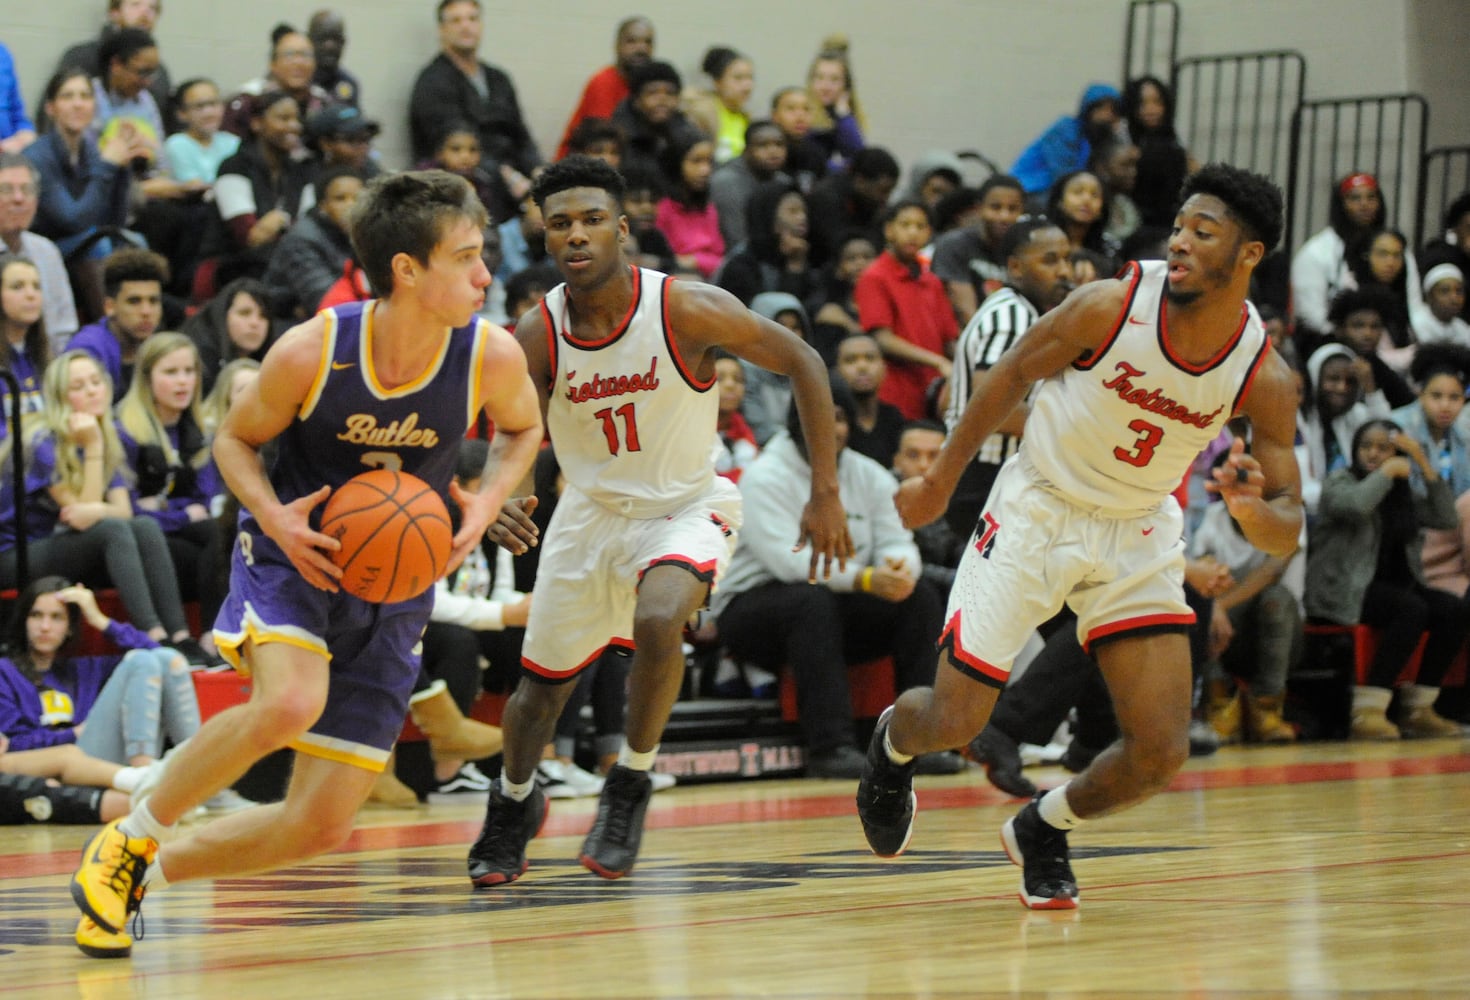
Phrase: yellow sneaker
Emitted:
{"points": [[100, 943], [109, 884]]}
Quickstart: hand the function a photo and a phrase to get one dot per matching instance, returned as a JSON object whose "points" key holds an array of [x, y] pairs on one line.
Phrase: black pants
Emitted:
{"points": [[196, 550], [604, 685], [32, 800], [818, 632], [1402, 613], [452, 654]]}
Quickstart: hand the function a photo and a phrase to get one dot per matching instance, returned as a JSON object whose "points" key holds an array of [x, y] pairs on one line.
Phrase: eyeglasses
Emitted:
{"points": [[26, 190]]}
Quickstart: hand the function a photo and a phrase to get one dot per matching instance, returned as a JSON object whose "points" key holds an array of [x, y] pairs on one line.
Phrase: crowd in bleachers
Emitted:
{"points": [[158, 238]]}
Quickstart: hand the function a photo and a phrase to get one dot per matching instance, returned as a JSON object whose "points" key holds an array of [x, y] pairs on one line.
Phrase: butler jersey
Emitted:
{"points": [[350, 422], [1118, 429], [633, 428]]}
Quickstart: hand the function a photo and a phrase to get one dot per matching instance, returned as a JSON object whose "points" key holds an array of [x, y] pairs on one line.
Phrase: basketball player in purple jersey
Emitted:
{"points": [[390, 383], [623, 358], [1138, 375]]}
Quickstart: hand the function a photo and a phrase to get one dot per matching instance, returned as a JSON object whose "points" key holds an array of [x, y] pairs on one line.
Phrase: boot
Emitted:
{"points": [[389, 791], [1263, 721], [1224, 711], [1370, 714], [1417, 717], [451, 735]]}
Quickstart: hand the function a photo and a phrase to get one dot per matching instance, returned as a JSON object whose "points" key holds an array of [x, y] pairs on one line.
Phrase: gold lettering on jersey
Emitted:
{"points": [[1153, 401], [362, 428], [598, 387]]}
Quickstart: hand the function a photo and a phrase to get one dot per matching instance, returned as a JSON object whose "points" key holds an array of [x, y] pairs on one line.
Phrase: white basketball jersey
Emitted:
{"points": [[1118, 429], [633, 428]]}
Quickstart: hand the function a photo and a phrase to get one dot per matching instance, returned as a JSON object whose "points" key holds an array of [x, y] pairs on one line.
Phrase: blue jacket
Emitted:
{"points": [[1062, 148]]}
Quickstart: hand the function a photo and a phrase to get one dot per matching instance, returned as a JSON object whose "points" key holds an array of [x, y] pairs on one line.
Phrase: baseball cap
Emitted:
{"points": [[339, 120]]}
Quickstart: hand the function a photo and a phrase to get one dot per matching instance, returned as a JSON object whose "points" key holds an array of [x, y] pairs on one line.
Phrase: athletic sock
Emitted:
{"points": [[141, 823], [156, 881], [1056, 811], [516, 791], [635, 761], [894, 755]]}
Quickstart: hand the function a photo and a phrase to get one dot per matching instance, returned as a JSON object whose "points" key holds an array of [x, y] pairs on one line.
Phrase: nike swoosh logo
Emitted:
{"points": [[338, 366], [1140, 322], [1148, 531]]}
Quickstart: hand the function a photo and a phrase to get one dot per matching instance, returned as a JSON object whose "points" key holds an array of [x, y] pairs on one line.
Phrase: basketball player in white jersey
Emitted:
{"points": [[623, 358], [1139, 374]]}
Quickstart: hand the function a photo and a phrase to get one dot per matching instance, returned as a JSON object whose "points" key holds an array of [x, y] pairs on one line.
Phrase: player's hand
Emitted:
{"points": [[1238, 480], [919, 502], [289, 526], [478, 512], [824, 527], [514, 530]]}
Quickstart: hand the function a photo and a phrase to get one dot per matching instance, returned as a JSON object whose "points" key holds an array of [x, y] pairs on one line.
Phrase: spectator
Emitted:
{"points": [[234, 324], [768, 395], [940, 547], [903, 305], [837, 120], [685, 215], [876, 425], [738, 447], [646, 246], [196, 153], [854, 200], [343, 137], [459, 153], [80, 522], [1359, 318], [968, 260], [598, 138], [525, 289], [650, 117], [791, 110], [17, 131], [1442, 373], [133, 281], [1163, 163], [20, 189], [769, 613], [1039, 277], [608, 87], [720, 112], [26, 344], [732, 185], [836, 312], [32, 789], [1115, 164], [522, 240], [1319, 271], [1376, 262], [233, 378], [1065, 147], [933, 175], [327, 31], [775, 257], [1333, 408], [457, 86], [1440, 317], [1452, 244], [121, 14], [292, 66], [128, 59], [313, 252], [1365, 566], [1078, 203]]}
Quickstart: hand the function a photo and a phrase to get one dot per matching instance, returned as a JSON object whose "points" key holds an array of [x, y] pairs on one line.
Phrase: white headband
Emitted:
{"points": [[1440, 272]]}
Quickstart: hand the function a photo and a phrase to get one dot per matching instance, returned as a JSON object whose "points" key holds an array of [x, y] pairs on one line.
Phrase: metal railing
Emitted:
{"points": [[18, 483], [1444, 175], [1238, 108], [1151, 40]]}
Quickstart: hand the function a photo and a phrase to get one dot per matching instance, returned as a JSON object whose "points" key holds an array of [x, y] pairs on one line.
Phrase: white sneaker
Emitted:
{"points": [[468, 778], [661, 782], [227, 801], [561, 780]]}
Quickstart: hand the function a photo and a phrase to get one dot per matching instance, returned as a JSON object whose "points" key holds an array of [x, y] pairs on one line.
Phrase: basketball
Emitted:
{"points": [[395, 534]]}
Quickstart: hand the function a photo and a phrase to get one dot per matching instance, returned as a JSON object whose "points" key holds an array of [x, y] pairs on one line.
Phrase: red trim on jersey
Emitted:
{"points": [[1220, 355], [1250, 376], [704, 571], [967, 663], [551, 366], [546, 673], [1134, 273], [1132, 624], [673, 342], [620, 329]]}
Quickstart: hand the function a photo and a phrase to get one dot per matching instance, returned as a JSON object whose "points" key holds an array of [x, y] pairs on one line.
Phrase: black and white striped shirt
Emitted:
{"points": [[999, 323]]}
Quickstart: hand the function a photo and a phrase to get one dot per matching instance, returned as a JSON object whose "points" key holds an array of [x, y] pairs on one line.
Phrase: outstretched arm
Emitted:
{"points": [[1263, 489], [704, 317]]}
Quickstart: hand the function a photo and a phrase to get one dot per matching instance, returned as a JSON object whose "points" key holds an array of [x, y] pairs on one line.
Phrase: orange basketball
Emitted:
{"points": [[395, 535]]}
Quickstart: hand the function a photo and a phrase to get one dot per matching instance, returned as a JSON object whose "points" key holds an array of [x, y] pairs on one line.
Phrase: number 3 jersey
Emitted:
{"points": [[1118, 429], [632, 426]]}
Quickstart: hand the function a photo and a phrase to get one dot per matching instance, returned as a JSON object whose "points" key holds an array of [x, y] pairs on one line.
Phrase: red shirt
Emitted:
{"points": [[604, 92], [889, 295]]}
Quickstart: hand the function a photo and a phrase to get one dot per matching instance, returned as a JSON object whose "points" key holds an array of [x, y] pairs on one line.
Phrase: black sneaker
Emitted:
{"points": [[1002, 760], [195, 654], [885, 797], [1047, 882], [612, 846], [499, 855]]}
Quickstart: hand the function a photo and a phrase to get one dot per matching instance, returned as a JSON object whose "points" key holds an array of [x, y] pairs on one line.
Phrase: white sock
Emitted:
{"points": [[127, 778], [141, 823], [516, 791], [156, 881], [635, 761], [1056, 811], [893, 755]]}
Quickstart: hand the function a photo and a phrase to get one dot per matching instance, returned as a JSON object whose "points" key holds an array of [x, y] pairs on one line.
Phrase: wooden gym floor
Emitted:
{"points": [[1308, 872]]}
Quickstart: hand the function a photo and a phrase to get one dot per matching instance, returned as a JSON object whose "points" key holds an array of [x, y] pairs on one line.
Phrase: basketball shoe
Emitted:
{"points": [[885, 797], [1047, 882], [97, 942], [499, 855], [612, 846], [109, 884]]}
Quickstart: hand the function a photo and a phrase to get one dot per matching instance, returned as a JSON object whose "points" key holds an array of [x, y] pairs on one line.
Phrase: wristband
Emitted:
{"points": [[865, 582]]}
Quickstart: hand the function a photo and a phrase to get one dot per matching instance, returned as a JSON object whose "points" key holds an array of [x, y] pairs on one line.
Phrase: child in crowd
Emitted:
{"points": [[196, 152], [598, 138], [459, 153], [1437, 318], [647, 246], [836, 314], [738, 447], [686, 215], [806, 162]]}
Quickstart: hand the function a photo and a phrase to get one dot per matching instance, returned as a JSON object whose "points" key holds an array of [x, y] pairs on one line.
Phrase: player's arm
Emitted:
{"points": [[1263, 489], [510, 400], [513, 529], [1068, 332], [704, 317], [260, 413]]}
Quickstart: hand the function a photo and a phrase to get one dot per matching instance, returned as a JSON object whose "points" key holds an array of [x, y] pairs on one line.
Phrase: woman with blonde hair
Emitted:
{"points": [[79, 518], [232, 380], [838, 122], [161, 427]]}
